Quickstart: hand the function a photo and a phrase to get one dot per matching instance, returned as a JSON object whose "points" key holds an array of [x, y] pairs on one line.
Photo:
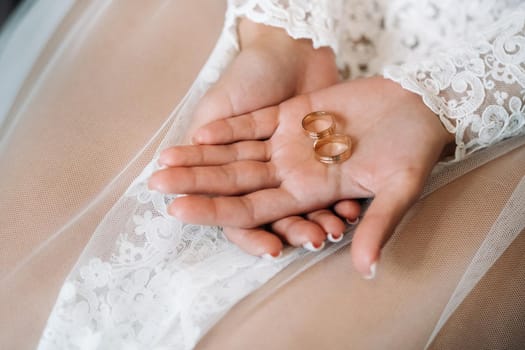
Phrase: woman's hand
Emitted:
{"points": [[270, 68], [260, 166]]}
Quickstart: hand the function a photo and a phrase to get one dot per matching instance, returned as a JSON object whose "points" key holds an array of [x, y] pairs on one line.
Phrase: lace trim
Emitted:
{"points": [[314, 20], [478, 91]]}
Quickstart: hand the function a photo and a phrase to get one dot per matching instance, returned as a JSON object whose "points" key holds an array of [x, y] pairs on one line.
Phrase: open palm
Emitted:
{"points": [[270, 68], [261, 167]]}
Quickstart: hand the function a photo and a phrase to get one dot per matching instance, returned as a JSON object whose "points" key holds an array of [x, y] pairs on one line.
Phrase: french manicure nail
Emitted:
{"points": [[270, 257], [152, 186], [353, 222], [160, 161], [196, 139], [309, 246], [372, 273], [333, 239]]}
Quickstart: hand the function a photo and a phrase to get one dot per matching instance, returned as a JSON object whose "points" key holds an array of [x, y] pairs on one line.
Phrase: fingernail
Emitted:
{"points": [[270, 257], [152, 185], [372, 273], [353, 222], [196, 139], [160, 160], [155, 181], [335, 239], [309, 246]]}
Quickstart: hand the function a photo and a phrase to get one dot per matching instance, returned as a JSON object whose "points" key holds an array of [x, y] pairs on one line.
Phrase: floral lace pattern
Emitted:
{"points": [[478, 89], [158, 283], [163, 284]]}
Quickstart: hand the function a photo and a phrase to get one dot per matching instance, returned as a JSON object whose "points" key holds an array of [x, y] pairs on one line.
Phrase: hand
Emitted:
{"points": [[268, 171], [270, 68]]}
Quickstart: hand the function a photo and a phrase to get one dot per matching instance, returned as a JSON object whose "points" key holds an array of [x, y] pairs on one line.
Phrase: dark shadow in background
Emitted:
{"points": [[6, 8]]}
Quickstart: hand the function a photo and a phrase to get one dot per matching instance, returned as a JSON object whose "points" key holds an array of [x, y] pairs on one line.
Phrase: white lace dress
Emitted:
{"points": [[148, 281]]}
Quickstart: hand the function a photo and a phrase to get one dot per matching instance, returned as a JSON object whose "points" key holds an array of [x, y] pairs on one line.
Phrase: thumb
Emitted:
{"points": [[251, 82], [214, 105], [379, 222]]}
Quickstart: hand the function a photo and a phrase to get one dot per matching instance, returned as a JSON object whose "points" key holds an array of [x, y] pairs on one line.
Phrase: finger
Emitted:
{"points": [[230, 179], [247, 211], [252, 126], [256, 241], [332, 226], [222, 102], [377, 225], [214, 105], [299, 232], [349, 209], [241, 89], [225, 99], [214, 155]]}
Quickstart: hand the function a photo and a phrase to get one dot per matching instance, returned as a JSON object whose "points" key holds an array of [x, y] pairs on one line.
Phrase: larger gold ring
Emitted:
{"points": [[319, 124], [333, 149]]}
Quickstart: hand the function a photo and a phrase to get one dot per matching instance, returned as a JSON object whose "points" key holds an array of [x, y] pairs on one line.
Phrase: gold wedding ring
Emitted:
{"points": [[333, 149], [319, 124], [329, 147]]}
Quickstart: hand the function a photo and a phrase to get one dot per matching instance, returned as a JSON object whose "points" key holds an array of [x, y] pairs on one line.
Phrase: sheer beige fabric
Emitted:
{"points": [[96, 107], [74, 129]]}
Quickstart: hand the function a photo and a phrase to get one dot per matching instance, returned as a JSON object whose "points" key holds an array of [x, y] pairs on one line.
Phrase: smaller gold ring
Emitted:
{"points": [[333, 149], [318, 124]]}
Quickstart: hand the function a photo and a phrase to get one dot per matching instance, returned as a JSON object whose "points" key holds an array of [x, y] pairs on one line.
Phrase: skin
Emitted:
{"points": [[270, 68], [260, 167]]}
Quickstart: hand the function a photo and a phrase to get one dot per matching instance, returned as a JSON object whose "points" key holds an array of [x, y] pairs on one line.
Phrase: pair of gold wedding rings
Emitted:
{"points": [[329, 147]]}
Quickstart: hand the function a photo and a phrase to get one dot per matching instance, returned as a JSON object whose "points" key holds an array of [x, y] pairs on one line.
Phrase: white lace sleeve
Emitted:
{"points": [[478, 88], [302, 19]]}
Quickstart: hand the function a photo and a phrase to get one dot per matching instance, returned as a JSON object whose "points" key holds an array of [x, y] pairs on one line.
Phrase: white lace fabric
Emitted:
{"points": [[148, 281], [476, 89]]}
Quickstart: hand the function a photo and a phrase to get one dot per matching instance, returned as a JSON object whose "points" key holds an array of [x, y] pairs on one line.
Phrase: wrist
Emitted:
{"points": [[435, 130], [311, 68], [252, 33], [448, 139]]}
